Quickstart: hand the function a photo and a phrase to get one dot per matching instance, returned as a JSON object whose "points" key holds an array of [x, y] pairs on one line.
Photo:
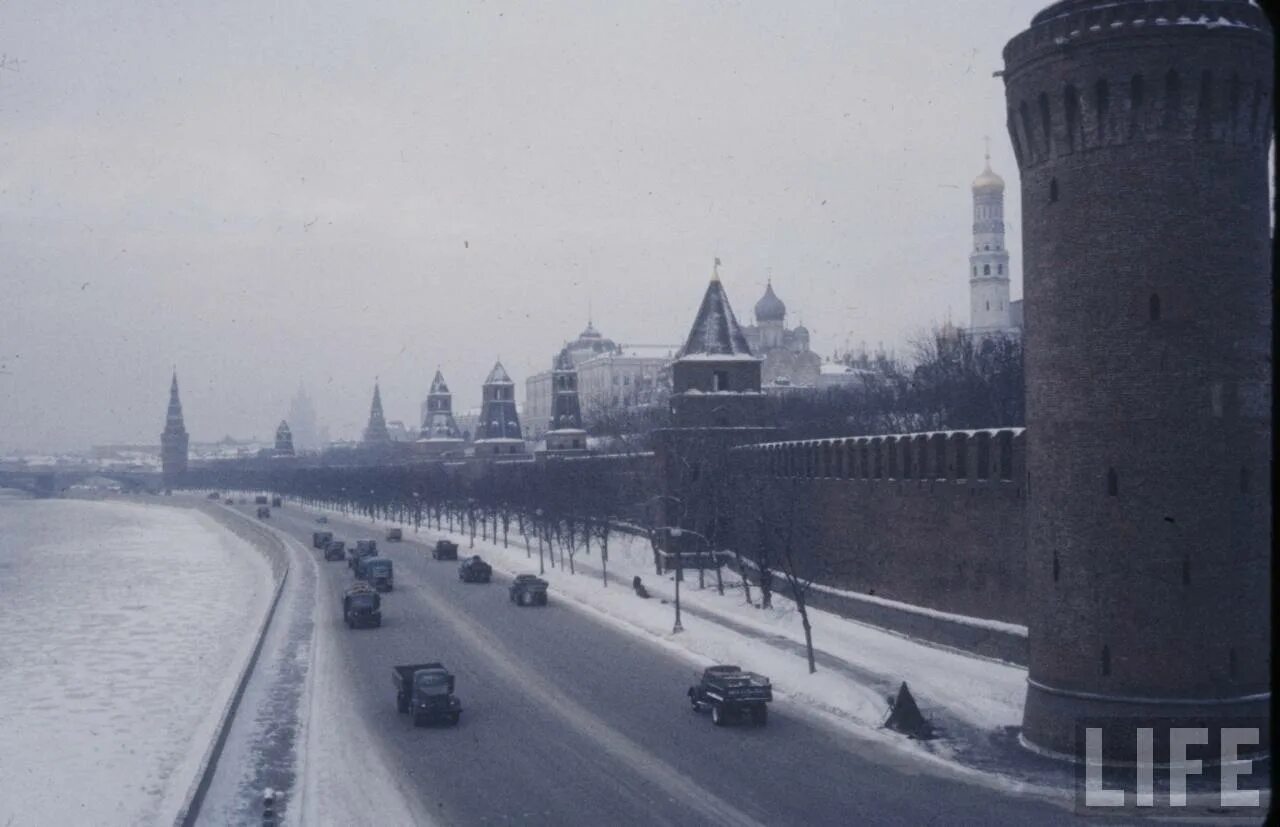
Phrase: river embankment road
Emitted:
{"points": [[569, 720]]}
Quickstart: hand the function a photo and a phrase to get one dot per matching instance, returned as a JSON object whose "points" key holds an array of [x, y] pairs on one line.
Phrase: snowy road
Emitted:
{"points": [[572, 721]]}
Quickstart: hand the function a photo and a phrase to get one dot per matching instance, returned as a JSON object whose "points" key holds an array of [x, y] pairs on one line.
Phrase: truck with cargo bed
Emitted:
{"points": [[729, 693]]}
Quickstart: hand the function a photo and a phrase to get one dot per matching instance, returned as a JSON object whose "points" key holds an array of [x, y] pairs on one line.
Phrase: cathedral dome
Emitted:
{"points": [[770, 308], [988, 181]]}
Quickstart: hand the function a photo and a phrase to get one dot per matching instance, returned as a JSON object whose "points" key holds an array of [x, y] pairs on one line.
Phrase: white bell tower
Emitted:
{"points": [[989, 261]]}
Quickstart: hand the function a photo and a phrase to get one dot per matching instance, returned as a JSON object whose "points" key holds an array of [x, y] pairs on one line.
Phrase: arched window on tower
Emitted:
{"points": [[1000, 269], [988, 305], [1102, 99], [1233, 103], [1071, 110], [1046, 123], [986, 269], [1172, 100], [1106, 661], [1053, 190], [1113, 483], [1153, 307], [975, 269]]}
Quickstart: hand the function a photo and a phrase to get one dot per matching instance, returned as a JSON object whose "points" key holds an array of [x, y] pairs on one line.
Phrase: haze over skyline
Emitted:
{"points": [[323, 193]]}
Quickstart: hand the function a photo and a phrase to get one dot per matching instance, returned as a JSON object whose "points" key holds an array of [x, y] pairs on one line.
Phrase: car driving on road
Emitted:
{"points": [[528, 590], [729, 693], [425, 691], [474, 570], [361, 606]]}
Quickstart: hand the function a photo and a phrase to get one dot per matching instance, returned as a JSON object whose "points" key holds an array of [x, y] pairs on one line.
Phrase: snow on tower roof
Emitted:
{"points": [[498, 376], [438, 385], [715, 332]]}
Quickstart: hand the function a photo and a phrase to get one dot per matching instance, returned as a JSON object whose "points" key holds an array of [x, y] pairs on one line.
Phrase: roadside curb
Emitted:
{"points": [[276, 556]]}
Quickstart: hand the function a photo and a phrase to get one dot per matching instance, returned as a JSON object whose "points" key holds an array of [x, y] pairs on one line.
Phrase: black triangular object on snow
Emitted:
{"points": [[905, 716]]}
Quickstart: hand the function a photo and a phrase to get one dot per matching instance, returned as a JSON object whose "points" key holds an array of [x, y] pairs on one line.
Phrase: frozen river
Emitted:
{"points": [[125, 627]]}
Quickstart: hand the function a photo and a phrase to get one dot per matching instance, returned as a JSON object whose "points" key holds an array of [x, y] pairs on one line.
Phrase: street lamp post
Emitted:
{"points": [[676, 532], [537, 527]]}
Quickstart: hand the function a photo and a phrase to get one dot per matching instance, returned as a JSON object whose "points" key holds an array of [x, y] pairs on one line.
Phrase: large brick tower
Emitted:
{"points": [[1141, 129], [498, 431], [174, 441], [375, 432], [566, 433], [439, 434], [716, 404]]}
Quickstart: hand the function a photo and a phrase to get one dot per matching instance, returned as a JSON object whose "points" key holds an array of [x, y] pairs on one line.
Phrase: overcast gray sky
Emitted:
{"points": [[275, 193]]}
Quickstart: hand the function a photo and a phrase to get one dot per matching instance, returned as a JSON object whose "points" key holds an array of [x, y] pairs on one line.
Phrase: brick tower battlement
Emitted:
{"points": [[1141, 131]]}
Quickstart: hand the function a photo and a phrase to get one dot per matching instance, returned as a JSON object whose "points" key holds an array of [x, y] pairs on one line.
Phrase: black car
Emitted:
{"points": [[335, 550], [475, 570], [445, 550], [729, 692], [528, 590], [263, 512]]}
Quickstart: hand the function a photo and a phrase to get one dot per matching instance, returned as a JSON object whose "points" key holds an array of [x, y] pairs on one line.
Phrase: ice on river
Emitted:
{"points": [[125, 627]]}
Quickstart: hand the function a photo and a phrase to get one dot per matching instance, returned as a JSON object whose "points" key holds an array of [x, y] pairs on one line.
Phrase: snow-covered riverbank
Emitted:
{"points": [[126, 627]]}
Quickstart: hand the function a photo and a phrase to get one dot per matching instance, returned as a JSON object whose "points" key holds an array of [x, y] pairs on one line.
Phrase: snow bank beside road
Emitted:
{"points": [[126, 630]]}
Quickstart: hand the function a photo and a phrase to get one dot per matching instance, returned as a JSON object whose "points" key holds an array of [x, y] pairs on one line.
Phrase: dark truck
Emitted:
{"points": [[425, 691], [731, 692], [395, 535], [263, 512], [362, 548], [445, 550], [261, 499], [361, 606], [335, 550], [277, 502], [528, 590], [377, 572], [320, 539], [474, 570]]}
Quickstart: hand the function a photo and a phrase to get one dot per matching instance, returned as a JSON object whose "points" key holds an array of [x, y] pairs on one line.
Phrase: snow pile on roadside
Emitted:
{"points": [[126, 629]]}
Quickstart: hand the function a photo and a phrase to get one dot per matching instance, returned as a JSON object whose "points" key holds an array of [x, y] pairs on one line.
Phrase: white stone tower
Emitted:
{"points": [[989, 262]]}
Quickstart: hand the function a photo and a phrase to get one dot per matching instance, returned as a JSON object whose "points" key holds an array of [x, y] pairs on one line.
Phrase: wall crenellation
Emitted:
{"points": [[1100, 105], [994, 455]]}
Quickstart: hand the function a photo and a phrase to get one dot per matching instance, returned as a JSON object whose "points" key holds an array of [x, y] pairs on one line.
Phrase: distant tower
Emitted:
{"points": [[498, 431], [989, 261], [439, 433], [174, 442], [284, 440], [771, 316], [376, 433], [565, 433], [1142, 143]]}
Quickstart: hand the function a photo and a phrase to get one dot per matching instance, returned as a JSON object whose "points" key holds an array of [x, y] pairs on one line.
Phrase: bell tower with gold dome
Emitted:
{"points": [[989, 260]]}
